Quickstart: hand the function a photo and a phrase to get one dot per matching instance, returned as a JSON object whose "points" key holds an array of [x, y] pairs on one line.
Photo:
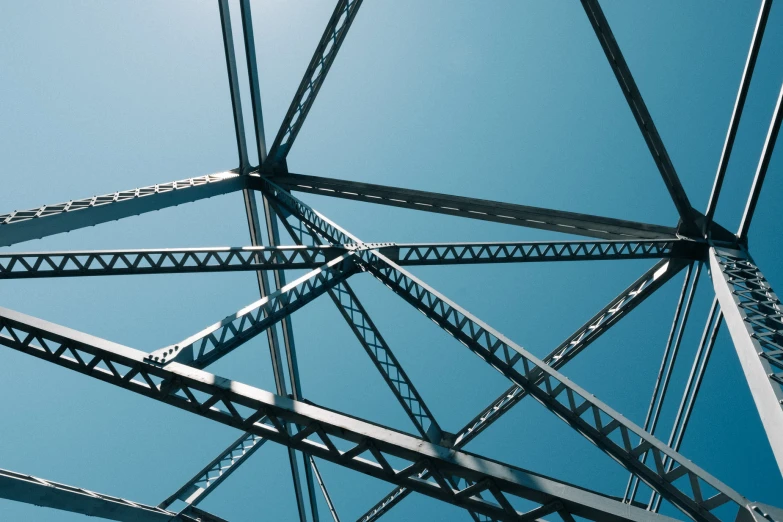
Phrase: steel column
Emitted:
{"points": [[754, 317]]}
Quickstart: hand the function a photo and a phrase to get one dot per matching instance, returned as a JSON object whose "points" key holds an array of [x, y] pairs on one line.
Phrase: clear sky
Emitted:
{"points": [[506, 100]]}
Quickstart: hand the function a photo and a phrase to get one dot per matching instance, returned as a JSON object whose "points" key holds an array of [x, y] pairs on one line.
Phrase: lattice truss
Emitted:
{"points": [[433, 461]]}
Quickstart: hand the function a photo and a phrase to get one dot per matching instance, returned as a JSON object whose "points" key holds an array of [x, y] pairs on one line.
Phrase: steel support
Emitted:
{"points": [[603, 426], [736, 114], [473, 208], [639, 110], [219, 469], [25, 265], [46, 493], [761, 170], [214, 342], [325, 493], [754, 316], [692, 387], [24, 225], [333, 37], [265, 414]]}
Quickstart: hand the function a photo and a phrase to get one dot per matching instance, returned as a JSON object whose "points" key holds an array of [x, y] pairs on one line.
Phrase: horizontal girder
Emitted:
{"points": [[266, 415], [162, 261], [473, 208]]}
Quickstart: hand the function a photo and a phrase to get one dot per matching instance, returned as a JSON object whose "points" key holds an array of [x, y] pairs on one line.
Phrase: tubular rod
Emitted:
{"points": [[24, 225], [325, 53], [630, 488], [233, 84], [249, 198], [213, 474], [252, 74], [692, 387], [639, 109], [327, 498], [265, 414], [473, 208], [736, 114], [40, 492], [761, 170], [657, 400], [290, 350], [754, 317], [504, 356]]}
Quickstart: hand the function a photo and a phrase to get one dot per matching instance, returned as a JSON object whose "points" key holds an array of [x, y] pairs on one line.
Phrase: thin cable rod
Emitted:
{"points": [[739, 105], [694, 383]]}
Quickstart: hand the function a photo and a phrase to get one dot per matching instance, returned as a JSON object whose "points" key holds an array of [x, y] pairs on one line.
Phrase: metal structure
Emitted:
{"points": [[433, 460]]}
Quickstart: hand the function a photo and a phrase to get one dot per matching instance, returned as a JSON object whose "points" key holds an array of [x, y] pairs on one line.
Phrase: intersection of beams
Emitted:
{"points": [[593, 419], [473, 208]]}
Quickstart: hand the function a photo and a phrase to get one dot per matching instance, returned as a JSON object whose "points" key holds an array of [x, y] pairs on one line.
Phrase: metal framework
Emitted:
{"points": [[433, 461]]}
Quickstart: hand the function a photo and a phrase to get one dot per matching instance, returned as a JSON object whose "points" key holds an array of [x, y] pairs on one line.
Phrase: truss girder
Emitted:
{"points": [[24, 225], [473, 208], [754, 316], [219, 469], [639, 109], [46, 493], [266, 415], [219, 339], [376, 347], [595, 420], [333, 37], [413, 254], [163, 261]]}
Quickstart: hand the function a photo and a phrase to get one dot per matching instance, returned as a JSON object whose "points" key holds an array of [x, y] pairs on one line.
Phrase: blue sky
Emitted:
{"points": [[504, 100]]}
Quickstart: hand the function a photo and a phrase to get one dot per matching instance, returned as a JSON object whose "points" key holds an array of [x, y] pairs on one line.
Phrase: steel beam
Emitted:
{"points": [[333, 37], [414, 254], [252, 75], [46, 493], [473, 208], [754, 316], [214, 342], [736, 114], [233, 84], [639, 110], [24, 225], [219, 469], [593, 419], [761, 170], [265, 414], [24, 265]]}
